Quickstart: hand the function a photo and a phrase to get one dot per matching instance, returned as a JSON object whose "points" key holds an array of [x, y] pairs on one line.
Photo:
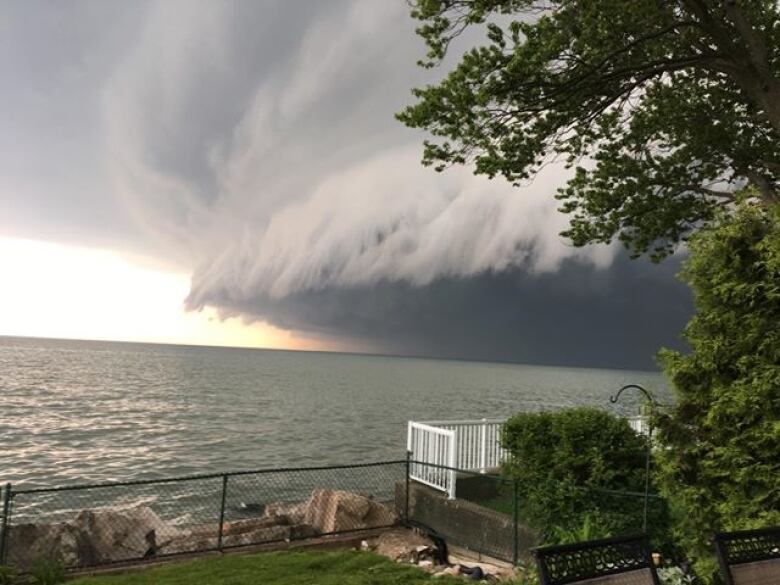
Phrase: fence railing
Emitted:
{"points": [[478, 443], [640, 423]]}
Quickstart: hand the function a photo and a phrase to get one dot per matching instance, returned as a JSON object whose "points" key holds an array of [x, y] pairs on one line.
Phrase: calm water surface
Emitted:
{"points": [[76, 411]]}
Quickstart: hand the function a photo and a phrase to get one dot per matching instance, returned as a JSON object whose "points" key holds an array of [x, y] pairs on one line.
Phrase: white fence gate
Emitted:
{"points": [[456, 445], [436, 448]]}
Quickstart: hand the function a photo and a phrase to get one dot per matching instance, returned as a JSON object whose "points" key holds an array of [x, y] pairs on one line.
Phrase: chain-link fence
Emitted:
{"points": [[90, 525], [495, 516]]}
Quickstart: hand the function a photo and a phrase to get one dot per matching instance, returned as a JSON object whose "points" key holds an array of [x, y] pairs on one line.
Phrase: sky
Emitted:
{"points": [[231, 173]]}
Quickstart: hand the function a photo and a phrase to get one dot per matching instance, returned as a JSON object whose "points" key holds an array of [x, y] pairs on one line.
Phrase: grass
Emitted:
{"points": [[278, 568]]}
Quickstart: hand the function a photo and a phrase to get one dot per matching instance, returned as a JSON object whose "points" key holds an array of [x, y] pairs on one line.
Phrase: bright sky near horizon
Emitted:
{"points": [[53, 290]]}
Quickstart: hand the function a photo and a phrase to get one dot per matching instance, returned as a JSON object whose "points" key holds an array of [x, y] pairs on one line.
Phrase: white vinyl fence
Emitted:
{"points": [[640, 423], [462, 444], [434, 447]]}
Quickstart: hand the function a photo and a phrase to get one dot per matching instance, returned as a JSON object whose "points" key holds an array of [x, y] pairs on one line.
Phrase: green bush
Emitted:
{"points": [[7, 575], [721, 465], [48, 571], [573, 468]]}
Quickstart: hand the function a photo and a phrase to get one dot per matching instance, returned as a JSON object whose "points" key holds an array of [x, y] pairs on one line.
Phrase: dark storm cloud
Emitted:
{"points": [[254, 144], [577, 315]]}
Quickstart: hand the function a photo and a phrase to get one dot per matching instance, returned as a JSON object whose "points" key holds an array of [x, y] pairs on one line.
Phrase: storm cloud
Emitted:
{"points": [[254, 144]]}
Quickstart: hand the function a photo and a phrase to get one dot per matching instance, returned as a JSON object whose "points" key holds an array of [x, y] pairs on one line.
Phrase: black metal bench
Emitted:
{"points": [[624, 560], [749, 557]]}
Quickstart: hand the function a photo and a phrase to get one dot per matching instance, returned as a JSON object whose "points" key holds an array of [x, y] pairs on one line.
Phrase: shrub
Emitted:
{"points": [[47, 571], [674, 576], [568, 466], [7, 575], [721, 465]]}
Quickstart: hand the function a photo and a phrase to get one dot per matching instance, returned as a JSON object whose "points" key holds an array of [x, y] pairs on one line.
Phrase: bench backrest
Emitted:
{"points": [[749, 557], [624, 560]]}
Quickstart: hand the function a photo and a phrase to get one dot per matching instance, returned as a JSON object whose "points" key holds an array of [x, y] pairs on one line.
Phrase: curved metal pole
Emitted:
{"points": [[649, 443], [650, 398]]}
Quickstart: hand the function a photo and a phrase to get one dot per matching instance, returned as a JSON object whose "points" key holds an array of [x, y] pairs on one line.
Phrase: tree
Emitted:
{"points": [[668, 114], [662, 108], [722, 464]]}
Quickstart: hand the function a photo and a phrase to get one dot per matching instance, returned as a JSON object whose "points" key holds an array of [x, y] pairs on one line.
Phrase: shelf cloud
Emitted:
{"points": [[254, 144]]}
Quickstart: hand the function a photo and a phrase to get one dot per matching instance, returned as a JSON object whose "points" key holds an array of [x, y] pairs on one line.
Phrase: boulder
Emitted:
{"points": [[199, 538], [336, 511], [124, 534], [299, 531], [28, 544], [244, 526], [286, 512], [258, 535], [92, 537]]}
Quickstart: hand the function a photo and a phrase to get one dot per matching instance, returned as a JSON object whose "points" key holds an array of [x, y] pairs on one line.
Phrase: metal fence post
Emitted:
{"points": [[222, 511], [5, 524], [514, 522], [408, 483]]}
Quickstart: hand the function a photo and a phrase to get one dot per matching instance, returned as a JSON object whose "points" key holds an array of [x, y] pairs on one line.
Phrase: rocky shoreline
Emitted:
{"points": [[109, 535]]}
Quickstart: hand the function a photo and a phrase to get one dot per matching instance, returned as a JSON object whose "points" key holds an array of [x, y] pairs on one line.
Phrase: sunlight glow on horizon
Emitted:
{"points": [[52, 290]]}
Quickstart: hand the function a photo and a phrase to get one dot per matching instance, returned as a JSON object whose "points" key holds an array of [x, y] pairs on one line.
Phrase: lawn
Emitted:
{"points": [[278, 568]]}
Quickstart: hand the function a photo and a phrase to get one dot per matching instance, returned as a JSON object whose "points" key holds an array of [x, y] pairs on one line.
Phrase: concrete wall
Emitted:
{"points": [[466, 524]]}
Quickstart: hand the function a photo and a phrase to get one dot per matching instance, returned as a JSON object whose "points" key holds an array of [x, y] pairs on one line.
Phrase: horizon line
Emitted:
{"points": [[330, 352]]}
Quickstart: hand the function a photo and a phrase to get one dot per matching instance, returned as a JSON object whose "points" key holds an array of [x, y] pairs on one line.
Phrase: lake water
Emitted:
{"points": [[88, 411]]}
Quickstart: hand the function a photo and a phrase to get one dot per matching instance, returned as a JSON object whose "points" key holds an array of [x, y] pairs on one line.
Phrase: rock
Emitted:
{"points": [[402, 545], [243, 526], [193, 542], [117, 535], [425, 564], [336, 511], [29, 543], [92, 537], [499, 571], [448, 571], [454, 570], [289, 513], [258, 535], [298, 531]]}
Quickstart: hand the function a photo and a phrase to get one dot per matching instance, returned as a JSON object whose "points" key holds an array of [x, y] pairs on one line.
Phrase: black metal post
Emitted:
{"points": [[5, 522], [222, 511], [408, 483], [514, 523], [649, 442]]}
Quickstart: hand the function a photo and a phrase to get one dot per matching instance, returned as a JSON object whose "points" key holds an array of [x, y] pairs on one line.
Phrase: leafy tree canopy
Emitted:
{"points": [[663, 108], [722, 464]]}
